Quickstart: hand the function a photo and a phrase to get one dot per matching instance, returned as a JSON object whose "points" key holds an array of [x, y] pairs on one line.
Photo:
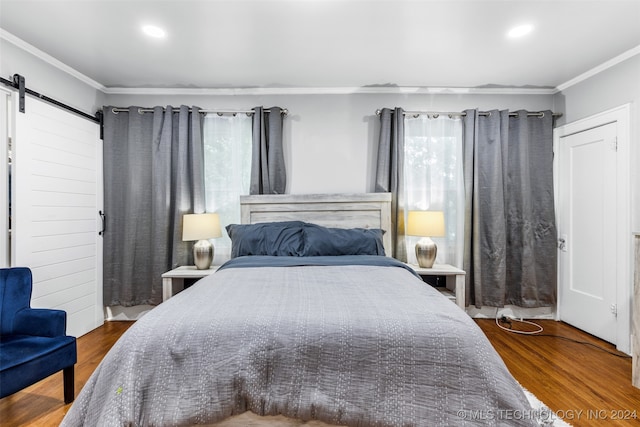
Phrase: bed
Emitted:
{"points": [[288, 334]]}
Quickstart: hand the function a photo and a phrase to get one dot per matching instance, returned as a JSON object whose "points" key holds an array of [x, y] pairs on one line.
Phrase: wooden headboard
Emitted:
{"points": [[365, 210]]}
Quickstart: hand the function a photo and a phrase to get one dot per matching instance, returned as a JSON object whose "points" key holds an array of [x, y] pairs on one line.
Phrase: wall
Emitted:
{"points": [[331, 139], [47, 79], [611, 88]]}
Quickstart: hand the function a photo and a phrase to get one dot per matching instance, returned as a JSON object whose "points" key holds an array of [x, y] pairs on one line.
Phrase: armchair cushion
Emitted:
{"points": [[40, 322], [25, 360]]}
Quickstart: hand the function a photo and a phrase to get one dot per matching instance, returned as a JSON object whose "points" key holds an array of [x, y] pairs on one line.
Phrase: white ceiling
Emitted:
{"points": [[326, 43]]}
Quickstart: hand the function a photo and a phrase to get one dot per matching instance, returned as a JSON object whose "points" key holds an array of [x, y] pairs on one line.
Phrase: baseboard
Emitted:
{"points": [[512, 311], [118, 312]]}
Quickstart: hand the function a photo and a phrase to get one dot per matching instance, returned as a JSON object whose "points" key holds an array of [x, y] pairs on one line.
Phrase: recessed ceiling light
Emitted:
{"points": [[519, 31], [153, 31]]}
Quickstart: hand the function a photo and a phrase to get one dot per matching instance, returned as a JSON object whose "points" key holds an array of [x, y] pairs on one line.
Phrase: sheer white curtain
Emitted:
{"points": [[434, 180], [227, 171]]}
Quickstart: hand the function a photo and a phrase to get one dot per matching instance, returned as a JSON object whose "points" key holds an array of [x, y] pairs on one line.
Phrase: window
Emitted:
{"points": [[434, 180], [227, 170]]}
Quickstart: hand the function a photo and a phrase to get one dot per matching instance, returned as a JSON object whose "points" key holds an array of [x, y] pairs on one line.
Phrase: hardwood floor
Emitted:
{"points": [[590, 387], [567, 376], [42, 404]]}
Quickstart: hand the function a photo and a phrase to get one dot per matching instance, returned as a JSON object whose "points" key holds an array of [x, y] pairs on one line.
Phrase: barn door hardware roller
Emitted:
{"points": [[18, 83]]}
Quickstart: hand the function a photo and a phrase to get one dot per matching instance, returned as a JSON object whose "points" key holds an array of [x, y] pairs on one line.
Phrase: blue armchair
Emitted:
{"points": [[33, 342]]}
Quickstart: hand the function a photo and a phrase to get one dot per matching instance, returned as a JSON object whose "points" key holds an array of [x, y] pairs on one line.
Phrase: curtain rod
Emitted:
{"points": [[219, 112], [19, 84], [436, 114]]}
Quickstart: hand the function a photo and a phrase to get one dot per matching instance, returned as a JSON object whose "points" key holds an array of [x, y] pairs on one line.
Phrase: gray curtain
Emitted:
{"points": [[390, 174], [268, 173], [153, 174], [510, 232]]}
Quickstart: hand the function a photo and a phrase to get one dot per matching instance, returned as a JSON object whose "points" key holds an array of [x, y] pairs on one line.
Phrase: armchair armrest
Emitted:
{"points": [[40, 322]]}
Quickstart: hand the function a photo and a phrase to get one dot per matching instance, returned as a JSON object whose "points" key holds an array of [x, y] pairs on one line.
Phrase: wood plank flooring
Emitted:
{"points": [[42, 404], [567, 376], [590, 387]]}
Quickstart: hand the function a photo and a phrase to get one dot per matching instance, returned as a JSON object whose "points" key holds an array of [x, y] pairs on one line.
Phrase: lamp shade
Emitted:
{"points": [[425, 223], [200, 226]]}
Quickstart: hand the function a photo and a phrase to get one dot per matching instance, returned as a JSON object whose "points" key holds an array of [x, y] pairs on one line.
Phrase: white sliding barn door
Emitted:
{"points": [[5, 96], [57, 183]]}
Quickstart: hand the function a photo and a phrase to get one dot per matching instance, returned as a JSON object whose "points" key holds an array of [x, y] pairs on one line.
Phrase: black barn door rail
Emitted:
{"points": [[18, 83]]}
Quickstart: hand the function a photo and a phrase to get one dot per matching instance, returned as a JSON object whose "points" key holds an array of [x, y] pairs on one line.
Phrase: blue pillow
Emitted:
{"points": [[323, 241], [269, 238]]}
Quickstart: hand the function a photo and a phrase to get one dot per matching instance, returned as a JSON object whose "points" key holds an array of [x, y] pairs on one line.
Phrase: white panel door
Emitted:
{"points": [[587, 208], [57, 182]]}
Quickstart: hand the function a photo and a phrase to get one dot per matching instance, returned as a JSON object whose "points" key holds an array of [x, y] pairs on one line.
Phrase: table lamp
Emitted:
{"points": [[201, 227], [426, 224]]}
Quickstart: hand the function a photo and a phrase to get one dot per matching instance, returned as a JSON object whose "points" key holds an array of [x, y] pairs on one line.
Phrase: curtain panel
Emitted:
{"points": [[510, 247], [268, 173], [390, 174], [434, 180], [153, 174], [227, 170]]}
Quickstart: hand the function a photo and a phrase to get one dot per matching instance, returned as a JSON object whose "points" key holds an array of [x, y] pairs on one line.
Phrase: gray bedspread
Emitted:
{"points": [[348, 345]]}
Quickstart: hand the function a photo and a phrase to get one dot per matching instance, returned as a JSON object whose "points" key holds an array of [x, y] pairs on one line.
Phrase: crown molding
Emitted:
{"points": [[404, 90], [49, 59], [599, 69]]}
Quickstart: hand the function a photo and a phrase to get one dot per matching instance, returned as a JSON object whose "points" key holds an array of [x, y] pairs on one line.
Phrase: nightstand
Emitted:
{"points": [[455, 280], [173, 281]]}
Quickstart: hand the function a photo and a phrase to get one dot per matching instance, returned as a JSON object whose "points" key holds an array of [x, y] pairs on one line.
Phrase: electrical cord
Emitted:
{"points": [[507, 320], [537, 333]]}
